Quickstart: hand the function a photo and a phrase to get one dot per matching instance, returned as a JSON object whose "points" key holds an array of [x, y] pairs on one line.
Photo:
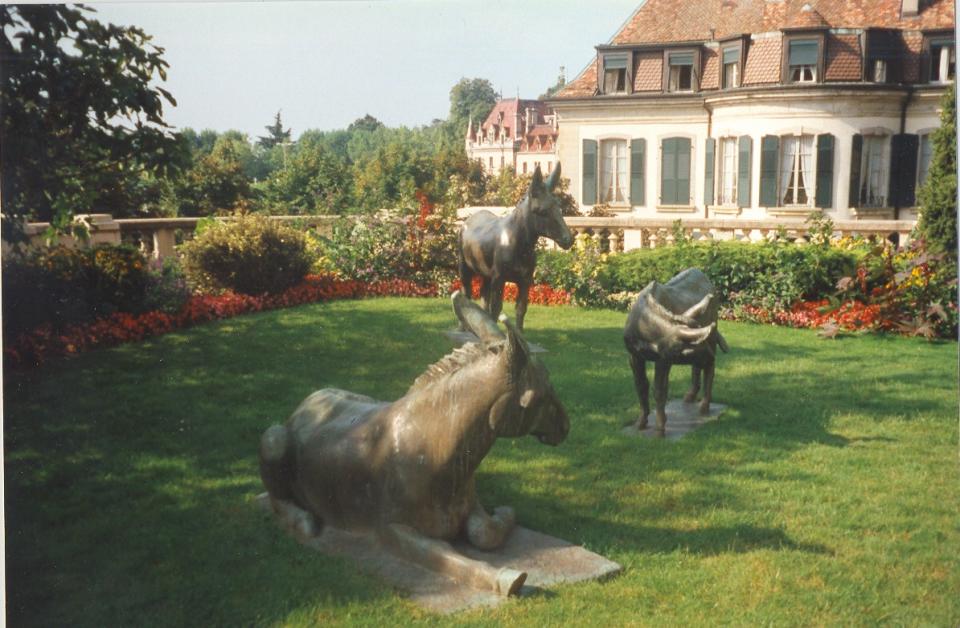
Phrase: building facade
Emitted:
{"points": [[755, 109], [517, 134]]}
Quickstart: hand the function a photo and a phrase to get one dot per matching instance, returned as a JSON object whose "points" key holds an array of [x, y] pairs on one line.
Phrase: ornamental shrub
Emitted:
{"points": [[938, 194], [61, 286], [250, 254]]}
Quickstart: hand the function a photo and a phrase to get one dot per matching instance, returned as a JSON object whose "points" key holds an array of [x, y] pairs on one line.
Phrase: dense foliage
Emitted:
{"points": [[249, 254], [938, 194], [82, 121], [61, 286]]}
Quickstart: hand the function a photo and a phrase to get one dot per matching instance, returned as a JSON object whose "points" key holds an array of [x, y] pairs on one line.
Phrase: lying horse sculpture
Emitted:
{"points": [[502, 249], [674, 323], [405, 470]]}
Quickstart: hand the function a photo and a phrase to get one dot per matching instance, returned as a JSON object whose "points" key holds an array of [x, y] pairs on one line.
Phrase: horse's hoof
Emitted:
{"points": [[704, 409], [509, 581], [641, 423], [505, 515]]}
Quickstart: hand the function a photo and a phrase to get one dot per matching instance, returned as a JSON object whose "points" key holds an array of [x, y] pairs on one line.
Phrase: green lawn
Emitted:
{"points": [[828, 492]]}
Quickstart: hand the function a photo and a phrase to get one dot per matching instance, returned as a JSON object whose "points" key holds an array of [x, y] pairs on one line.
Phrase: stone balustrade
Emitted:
{"points": [[157, 237], [625, 233]]}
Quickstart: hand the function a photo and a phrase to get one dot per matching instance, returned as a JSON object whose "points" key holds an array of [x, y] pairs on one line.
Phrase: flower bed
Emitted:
{"points": [[34, 347]]}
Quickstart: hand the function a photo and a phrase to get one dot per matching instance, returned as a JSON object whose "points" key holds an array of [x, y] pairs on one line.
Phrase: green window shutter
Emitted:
{"points": [[708, 171], [803, 52], [668, 172], [681, 58], [769, 164], [855, 152], [638, 170], [731, 55], [744, 162], [903, 168], [589, 172], [825, 170], [683, 171]]}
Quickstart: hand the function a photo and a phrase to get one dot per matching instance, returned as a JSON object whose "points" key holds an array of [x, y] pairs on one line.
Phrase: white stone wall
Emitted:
{"points": [[841, 113]]}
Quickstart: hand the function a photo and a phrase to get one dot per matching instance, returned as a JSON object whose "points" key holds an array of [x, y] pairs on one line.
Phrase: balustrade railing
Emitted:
{"points": [[157, 237]]}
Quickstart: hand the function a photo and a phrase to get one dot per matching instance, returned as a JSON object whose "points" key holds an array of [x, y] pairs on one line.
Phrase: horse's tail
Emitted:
{"points": [[277, 461]]}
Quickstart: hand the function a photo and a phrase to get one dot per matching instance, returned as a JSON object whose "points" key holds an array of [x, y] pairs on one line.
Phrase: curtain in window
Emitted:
{"points": [[789, 144], [806, 167], [728, 176], [613, 171]]}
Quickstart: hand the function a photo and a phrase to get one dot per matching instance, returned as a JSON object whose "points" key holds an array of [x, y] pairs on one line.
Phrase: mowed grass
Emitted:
{"points": [[827, 494]]}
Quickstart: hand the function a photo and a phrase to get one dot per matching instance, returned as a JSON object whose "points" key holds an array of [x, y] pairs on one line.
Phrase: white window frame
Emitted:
{"points": [[879, 70], [943, 59], [796, 171], [619, 183], [727, 166]]}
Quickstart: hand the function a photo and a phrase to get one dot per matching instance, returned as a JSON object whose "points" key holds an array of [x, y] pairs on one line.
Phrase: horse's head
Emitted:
{"points": [[544, 207], [528, 404]]}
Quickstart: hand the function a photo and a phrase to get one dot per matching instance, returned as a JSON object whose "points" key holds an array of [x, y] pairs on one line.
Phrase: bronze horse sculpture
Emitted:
{"points": [[405, 470], [503, 249], [674, 323]]}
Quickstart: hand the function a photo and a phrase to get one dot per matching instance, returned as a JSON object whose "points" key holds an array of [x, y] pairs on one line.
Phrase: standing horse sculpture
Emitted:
{"points": [[405, 470], [503, 249], [674, 323]]}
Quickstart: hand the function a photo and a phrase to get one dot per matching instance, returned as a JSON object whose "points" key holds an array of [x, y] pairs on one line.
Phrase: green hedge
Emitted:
{"points": [[775, 274]]}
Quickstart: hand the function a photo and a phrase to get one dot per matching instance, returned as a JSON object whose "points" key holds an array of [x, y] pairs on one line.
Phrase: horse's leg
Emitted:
{"points": [[523, 294], [466, 279], [496, 297], [691, 395], [440, 556], [300, 523], [661, 386], [642, 384], [486, 532], [709, 370], [485, 293]]}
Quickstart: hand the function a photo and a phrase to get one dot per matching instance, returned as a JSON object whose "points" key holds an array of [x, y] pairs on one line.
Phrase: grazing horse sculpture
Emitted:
{"points": [[503, 249], [405, 470], [674, 323]]}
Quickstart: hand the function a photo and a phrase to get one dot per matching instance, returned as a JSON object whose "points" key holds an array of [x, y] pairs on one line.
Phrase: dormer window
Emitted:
{"points": [[680, 68], [731, 67], [615, 74], [943, 61], [802, 60]]}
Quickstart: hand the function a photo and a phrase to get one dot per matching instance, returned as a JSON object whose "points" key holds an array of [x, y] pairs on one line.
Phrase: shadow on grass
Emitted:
{"points": [[131, 472]]}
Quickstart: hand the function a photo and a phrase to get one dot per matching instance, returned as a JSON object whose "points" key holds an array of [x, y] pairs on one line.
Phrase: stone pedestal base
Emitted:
{"points": [[546, 559], [682, 418]]}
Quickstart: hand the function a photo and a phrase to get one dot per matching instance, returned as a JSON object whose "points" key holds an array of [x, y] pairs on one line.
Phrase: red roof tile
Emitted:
{"points": [[710, 75], [648, 72], [806, 18], [690, 20], [843, 58], [763, 62]]}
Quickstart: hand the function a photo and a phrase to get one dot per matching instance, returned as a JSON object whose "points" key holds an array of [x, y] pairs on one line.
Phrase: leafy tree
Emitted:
{"points": [[82, 120], [216, 184], [938, 194], [366, 123], [470, 98], [275, 134], [315, 181]]}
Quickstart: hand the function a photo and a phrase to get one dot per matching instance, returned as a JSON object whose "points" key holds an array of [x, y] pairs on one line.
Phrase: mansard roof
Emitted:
{"points": [[671, 22], [666, 21], [509, 107]]}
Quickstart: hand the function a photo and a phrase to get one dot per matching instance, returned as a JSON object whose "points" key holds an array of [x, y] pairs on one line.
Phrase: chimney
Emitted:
{"points": [[528, 119], [909, 8]]}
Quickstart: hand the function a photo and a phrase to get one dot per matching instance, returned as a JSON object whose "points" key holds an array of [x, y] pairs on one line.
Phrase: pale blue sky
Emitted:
{"points": [[325, 64]]}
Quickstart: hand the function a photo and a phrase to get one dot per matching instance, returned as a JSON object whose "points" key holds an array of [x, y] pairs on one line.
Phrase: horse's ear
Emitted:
{"points": [[536, 186], [554, 178], [517, 351], [475, 319]]}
